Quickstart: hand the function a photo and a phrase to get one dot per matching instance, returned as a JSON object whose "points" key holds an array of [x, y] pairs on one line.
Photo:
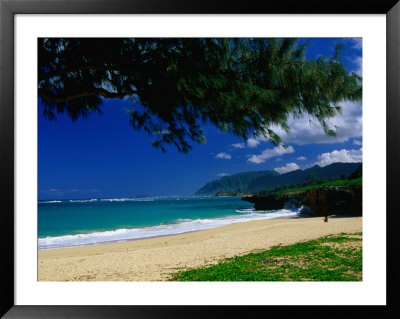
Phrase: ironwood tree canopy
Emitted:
{"points": [[243, 86]]}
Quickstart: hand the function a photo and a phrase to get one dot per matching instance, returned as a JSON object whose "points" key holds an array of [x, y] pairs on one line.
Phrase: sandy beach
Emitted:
{"points": [[154, 259]]}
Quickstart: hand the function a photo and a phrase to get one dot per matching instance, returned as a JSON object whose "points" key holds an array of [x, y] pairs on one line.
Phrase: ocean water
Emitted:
{"points": [[69, 223]]}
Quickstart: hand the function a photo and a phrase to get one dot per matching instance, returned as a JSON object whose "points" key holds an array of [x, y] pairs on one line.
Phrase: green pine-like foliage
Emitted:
{"points": [[243, 86]]}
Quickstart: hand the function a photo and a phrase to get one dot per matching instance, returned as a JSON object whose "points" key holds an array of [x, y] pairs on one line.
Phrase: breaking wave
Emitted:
{"points": [[176, 227]]}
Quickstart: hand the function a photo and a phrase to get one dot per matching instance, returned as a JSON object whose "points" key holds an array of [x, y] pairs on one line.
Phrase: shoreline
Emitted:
{"points": [[155, 258], [109, 242], [157, 236]]}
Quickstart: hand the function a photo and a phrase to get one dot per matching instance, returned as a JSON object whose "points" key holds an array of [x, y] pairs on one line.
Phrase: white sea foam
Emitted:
{"points": [[245, 210], [180, 226], [50, 202], [83, 200], [146, 199], [135, 199]]}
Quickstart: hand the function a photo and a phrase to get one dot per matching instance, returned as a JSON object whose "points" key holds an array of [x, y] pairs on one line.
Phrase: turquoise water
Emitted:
{"points": [[67, 223]]}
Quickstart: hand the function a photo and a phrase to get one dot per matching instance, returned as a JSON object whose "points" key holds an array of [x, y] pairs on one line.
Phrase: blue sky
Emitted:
{"points": [[103, 157]]}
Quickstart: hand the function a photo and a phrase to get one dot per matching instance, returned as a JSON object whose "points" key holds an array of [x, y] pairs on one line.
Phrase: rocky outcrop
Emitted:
{"points": [[337, 200], [273, 201]]}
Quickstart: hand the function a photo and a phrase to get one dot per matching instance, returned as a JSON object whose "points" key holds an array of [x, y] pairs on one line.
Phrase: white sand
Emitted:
{"points": [[155, 258]]}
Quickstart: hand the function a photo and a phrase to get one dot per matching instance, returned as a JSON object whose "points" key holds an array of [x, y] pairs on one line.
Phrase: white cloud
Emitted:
{"points": [[356, 43], [239, 145], [357, 142], [301, 158], [344, 156], [306, 130], [287, 168], [223, 155], [251, 143], [222, 174], [353, 43], [269, 153]]}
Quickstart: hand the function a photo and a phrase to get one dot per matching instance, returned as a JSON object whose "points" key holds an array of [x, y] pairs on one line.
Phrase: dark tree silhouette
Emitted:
{"points": [[242, 86]]}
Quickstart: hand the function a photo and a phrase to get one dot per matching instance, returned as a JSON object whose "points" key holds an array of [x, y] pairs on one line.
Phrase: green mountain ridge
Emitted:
{"points": [[234, 183], [258, 180]]}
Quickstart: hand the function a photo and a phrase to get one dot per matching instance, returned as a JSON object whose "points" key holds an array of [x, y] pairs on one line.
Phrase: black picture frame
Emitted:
{"points": [[9, 8]]}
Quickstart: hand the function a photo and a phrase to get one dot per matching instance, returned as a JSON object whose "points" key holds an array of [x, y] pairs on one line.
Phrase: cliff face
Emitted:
{"points": [[334, 200], [342, 200], [273, 201]]}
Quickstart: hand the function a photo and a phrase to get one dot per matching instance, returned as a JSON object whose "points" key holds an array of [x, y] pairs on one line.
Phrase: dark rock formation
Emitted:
{"points": [[337, 200], [273, 201]]}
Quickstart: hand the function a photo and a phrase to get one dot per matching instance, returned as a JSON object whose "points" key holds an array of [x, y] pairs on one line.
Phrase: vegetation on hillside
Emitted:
{"points": [[236, 184], [299, 188], [271, 181], [311, 175], [330, 258]]}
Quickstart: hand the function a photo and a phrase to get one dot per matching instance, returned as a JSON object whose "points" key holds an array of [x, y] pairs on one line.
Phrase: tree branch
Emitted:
{"points": [[45, 76], [95, 91]]}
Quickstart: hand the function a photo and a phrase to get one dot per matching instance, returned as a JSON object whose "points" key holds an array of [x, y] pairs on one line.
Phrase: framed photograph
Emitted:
{"points": [[161, 155]]}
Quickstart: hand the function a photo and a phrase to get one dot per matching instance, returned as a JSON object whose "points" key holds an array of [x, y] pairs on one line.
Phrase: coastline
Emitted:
{"points": [[155, 236], [179, 225], [153, 259]]}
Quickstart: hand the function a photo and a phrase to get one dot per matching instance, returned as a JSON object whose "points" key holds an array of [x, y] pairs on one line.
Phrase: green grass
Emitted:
{"points": [[340, 182], [330, 258]]}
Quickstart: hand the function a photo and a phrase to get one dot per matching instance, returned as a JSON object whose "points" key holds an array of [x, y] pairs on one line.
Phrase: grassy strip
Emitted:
{"points": [[341, 182], [330, 258]]}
